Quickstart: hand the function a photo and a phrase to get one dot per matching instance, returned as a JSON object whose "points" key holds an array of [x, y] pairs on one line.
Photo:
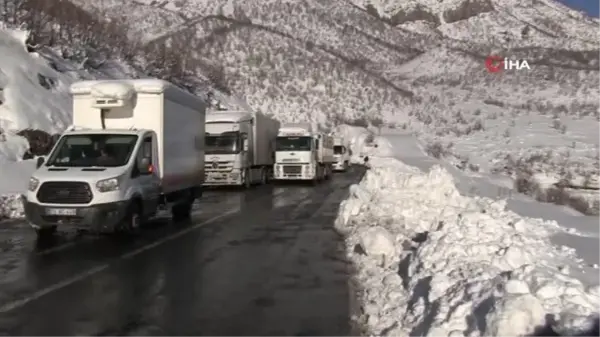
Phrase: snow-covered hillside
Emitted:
{"points": [[416, 64], [34, 94]]}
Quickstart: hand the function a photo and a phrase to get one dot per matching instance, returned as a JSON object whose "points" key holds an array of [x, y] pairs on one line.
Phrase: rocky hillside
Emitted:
{"points": [[415, 64], [324, 59]]}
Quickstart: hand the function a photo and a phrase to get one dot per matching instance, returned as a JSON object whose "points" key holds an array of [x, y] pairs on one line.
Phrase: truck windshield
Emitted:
{"points": [[293, 143], [85, 150], [224, 143], [339, 149]]}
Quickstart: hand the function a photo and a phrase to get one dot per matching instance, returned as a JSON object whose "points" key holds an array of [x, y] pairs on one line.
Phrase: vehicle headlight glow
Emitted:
{"points": [[108, 185], [33, 184]]}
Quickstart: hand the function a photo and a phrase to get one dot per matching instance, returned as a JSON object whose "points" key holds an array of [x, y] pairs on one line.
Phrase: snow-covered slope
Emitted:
{"points": [[416, 64], [514, 23], [33, 94], [433, 262]]}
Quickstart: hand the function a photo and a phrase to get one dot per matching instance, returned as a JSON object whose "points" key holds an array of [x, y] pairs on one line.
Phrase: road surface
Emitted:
{"points": [[260, 262]]}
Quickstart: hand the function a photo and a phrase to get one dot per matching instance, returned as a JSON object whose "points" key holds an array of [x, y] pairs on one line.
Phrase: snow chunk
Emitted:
{"points": [[377, 241], [11, 206], [514, 315], [454, 264]]}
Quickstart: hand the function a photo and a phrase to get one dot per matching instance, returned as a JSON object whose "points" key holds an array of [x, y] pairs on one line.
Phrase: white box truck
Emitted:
{"points": [[135, 146], [342, 154], [240, 148], [302, 153]]}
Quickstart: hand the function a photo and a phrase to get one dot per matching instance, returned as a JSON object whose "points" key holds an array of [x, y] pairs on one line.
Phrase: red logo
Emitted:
{"points": [[494, 63]]}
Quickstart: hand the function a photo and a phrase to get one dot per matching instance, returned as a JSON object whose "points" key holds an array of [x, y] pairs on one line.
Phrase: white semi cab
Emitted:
{"points": [[342, 154], [239, 148], [302, 153], [135, 147]]}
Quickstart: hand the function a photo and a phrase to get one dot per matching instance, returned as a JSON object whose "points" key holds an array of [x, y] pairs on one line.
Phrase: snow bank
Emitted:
{"points": [[433, 262], [34, 94], [11, 207]]}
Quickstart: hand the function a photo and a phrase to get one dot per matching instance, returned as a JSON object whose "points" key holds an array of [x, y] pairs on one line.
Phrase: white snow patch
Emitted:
{"points": [[460, 265], [11, 206], [35, 95]]}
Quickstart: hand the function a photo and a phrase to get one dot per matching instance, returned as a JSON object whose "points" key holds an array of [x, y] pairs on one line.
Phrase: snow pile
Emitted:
{"points": [[34, 95], [11, 206], [433, 262]]}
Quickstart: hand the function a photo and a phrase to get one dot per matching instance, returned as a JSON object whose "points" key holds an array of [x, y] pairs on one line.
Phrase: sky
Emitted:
{"points": [[588, 6]]}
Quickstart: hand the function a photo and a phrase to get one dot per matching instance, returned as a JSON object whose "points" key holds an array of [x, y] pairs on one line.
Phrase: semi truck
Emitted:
{"points": [[302, 153], [342, 154], [239, 148], [135, 147]]}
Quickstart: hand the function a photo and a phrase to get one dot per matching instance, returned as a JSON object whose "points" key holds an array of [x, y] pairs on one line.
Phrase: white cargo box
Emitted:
{"points": [[325, 150], [176, 116], [264, 132]]}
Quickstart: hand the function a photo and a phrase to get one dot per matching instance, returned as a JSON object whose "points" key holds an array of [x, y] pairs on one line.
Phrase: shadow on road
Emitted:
{"points": [[276, 267]]}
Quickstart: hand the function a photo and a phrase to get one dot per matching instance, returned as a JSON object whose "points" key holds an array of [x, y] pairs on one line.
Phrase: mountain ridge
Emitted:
{"points": [[341, 61]]}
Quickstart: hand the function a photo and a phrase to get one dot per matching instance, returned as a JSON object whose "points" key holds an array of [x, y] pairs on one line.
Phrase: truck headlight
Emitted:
{"points": [[108, 185], [33, 184]]}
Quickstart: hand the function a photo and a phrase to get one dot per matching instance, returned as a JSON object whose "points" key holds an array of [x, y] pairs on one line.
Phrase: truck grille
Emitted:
{"points": [[64, 192], [218, 166], [292, 169]]}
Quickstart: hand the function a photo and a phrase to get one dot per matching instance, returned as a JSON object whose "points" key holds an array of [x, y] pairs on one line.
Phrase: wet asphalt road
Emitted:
{"points": [[260, 262]]}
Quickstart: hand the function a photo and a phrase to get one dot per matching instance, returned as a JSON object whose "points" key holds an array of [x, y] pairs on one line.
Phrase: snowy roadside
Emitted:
{"points": [[15, 176], [11, 207], [433, 262]]}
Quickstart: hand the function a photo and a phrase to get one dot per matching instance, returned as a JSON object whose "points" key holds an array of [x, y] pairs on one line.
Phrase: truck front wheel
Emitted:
{"points": [[264, 176], [246, 181], [133, 219]]}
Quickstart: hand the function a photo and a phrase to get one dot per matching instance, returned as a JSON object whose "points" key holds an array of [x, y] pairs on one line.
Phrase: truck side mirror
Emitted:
{"points": [[144, 166], [40, 162]]}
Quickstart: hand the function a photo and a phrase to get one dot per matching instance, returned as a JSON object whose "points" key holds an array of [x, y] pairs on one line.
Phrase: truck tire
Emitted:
{"points": [[246, 182], [264, 176], [45, 232], [317, 179], [133, 220], [182, 211]]}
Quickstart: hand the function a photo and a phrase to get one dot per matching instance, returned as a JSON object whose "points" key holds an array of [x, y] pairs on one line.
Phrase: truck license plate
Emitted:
{"points": [[61, 211]]}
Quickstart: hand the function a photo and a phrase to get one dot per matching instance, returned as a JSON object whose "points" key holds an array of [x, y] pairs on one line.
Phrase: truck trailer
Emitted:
{"points": [[342, 154], [135, 147], [302, 153], [239, 148]]}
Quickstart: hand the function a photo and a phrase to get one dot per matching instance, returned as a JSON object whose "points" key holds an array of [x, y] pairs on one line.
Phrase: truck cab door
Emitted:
{"points": [[147, 178]]}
